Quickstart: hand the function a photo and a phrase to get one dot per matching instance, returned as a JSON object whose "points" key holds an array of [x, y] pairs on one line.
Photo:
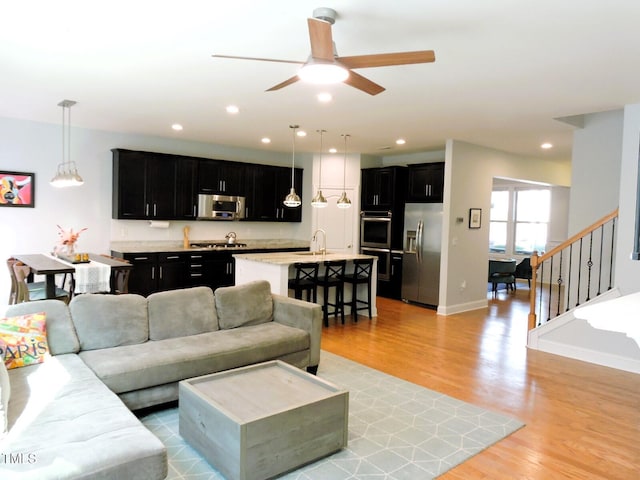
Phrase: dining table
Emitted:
{"points": [[49, 267]]}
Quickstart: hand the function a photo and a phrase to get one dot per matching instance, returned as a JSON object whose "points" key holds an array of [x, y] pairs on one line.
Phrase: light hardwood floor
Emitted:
{"points": [[582, 420]]}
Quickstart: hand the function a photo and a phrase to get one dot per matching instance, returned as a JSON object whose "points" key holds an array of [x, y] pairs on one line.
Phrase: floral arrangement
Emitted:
{"points": [[68, 239]]}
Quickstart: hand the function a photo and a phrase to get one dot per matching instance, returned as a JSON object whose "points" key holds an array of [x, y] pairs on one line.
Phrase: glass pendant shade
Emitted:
{"points": [[343, 201], [67, 173], [293, 200], [319, 201]]}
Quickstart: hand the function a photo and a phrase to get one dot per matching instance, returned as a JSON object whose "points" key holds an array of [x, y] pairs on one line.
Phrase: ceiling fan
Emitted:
{"points": [[325, 66]]}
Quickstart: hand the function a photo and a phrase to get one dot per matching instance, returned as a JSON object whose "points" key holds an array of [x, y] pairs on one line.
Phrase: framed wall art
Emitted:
{"points": [[475, 217], [17, 189]]}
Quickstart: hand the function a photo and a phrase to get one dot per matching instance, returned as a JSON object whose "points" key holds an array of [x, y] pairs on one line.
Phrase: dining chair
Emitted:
{"points": [[305, 280], [361, 275], [31, 291], [333, 277], [119, 276], [13, 293]]}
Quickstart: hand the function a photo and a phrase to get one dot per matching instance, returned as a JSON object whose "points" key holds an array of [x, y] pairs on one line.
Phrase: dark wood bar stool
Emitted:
{"points": [[333, 277], [306, 280], [361, 275]]}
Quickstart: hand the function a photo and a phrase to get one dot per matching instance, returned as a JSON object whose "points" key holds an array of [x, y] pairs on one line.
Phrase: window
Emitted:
{"points": [[519, 220]]}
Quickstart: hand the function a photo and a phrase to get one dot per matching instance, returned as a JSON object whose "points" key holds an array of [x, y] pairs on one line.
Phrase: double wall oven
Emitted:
{"points": [[376, 239]]}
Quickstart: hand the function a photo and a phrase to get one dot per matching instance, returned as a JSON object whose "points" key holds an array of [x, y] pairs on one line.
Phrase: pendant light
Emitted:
{"points": [[293, 200], [319, 201], [343, 201], [67, 173]]}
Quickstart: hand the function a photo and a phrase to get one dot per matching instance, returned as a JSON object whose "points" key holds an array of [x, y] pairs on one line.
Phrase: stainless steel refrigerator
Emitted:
{"points": [[421, 258]]}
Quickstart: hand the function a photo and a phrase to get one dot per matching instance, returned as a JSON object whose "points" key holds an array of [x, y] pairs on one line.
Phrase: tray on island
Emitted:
{"points": [[79, 258]]}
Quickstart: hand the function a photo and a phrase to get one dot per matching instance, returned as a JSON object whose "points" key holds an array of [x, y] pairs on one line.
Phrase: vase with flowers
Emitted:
{"points": [[68, 239]]}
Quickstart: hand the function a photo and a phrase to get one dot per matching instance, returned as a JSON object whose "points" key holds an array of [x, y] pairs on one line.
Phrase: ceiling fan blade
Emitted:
{"points": [[361, 83], [321, 39], [259, 59], [388, 59], [287, 82]]}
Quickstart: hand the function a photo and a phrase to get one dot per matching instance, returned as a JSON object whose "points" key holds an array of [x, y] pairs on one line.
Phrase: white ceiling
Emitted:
{"points": [[504, 69]]}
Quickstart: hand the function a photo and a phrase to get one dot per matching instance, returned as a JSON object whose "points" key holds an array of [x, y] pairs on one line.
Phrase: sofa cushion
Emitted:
{"points": [[23, 340], [104, 321], [5, 393], [155, 363], [179, 313], [61, 334], [64, 423], [247, 304]]}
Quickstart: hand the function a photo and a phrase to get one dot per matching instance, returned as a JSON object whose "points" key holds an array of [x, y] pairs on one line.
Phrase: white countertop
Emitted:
{"points": [[143, 246], [288, 258]]}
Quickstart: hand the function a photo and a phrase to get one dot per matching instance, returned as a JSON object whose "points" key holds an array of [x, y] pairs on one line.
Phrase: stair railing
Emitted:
{"points": [[574, 272]]}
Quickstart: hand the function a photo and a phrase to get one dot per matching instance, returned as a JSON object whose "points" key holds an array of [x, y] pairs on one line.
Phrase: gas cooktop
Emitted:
{"points": [[217, 245]]}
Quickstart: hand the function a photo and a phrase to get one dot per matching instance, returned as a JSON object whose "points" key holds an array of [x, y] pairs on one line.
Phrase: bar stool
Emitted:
{"points": [[306, 280], [333, 277], [361, 275]]}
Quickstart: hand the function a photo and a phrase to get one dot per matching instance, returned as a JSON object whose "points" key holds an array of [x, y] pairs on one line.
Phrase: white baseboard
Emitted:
{"points": [[462, 307], [590, 356]]}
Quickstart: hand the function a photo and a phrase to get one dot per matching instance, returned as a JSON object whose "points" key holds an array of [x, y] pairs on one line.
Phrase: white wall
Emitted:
{"points": [[627, 275], [469, 174], [595, 163], [36, 147]]}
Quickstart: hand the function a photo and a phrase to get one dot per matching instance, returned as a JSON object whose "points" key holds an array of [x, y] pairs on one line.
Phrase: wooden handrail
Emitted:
{"points": [[536, 260]]}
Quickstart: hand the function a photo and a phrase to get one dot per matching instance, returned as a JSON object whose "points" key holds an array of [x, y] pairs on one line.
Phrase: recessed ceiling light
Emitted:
{"points": [[325, 97], [177, 127], [266, 140], [333, 150], [232, 109], [546, 145], [401, 141]]}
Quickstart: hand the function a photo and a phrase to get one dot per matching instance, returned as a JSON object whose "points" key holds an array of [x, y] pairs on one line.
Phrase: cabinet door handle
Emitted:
{"points": [[196, 256], [141, 258], [155, 210], [146, 210], [153, 273], [193, 275], [160, 273], [196, 265], [224, 185], [195, 210], [172, 257]]}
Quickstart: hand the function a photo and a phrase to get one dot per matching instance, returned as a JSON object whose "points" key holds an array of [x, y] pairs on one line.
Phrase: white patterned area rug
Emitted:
{"points": [[397, 430]]}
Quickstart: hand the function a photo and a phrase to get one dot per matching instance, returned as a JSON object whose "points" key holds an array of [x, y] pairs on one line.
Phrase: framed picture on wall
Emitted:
{"points": [[475, 217], [17, 189]]}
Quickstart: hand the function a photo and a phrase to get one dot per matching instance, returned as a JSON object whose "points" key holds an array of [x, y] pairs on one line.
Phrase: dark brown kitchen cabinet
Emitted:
{"points": [[155, 272], [426, 183], [210, 269], [150, 185], [382, 188], [221, 177], [267, 187]]}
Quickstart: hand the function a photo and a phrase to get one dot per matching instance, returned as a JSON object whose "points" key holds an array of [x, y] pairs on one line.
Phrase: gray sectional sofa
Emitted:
{"points": [[70, 417]]}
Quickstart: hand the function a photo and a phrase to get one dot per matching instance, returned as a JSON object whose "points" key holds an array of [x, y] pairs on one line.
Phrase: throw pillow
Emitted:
{"points": [[23, 340], [5, 392], [248, 304]]}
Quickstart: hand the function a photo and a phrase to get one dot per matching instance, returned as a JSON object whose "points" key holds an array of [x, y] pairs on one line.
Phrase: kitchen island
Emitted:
{"points": [[277, 268]]}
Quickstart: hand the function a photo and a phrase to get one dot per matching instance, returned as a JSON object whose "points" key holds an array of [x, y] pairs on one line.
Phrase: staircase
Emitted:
{"points": [[577, 273]]}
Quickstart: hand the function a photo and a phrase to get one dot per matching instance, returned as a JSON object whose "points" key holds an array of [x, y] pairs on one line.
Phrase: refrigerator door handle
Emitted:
{"points": [[419, 240]]}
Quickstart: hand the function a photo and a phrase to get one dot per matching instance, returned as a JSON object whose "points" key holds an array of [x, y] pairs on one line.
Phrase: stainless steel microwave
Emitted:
{"points": [[220, 207]]}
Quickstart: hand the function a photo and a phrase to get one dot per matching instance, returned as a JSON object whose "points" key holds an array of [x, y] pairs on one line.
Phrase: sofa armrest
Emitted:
{"points": [[304, 315]]}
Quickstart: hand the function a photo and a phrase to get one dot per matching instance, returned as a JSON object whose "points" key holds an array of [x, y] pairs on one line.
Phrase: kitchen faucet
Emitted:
{"points": [[323, 249]]}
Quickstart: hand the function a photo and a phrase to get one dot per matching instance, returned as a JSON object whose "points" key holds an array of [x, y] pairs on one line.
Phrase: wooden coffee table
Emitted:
{"points": [[259, 421]]}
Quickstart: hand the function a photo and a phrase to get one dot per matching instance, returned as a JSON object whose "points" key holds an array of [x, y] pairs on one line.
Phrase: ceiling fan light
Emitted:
{"points": [[320, 73]]}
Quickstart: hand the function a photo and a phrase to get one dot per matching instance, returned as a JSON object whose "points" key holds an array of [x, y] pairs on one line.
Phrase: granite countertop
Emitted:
{"points": [[144, 246], [288, 258]]}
